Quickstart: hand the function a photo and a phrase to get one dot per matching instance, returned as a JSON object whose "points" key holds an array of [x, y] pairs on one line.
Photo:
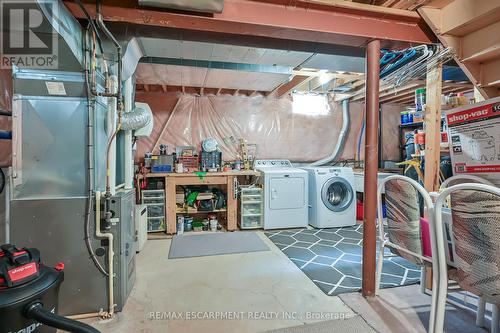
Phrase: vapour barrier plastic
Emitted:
{"points": [[270, 123], [5, 122]]}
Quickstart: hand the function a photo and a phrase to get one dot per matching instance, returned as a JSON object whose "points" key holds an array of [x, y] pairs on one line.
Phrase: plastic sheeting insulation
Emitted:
{"points": [[268, 122]]}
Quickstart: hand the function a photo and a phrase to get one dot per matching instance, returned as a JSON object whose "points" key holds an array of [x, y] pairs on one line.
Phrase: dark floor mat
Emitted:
{"points": [[331, 258]]}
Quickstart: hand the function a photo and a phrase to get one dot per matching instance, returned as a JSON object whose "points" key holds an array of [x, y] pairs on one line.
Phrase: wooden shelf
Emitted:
{"points": [[226, 179], [201, 211], [412, 125], [200, 174], [157, 230]]}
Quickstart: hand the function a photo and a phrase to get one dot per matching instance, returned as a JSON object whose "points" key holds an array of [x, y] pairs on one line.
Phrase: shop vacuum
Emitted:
{"points": [[29, 293]]}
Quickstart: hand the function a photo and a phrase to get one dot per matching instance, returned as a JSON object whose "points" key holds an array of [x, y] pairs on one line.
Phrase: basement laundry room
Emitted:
{"points": [[249, 166]]}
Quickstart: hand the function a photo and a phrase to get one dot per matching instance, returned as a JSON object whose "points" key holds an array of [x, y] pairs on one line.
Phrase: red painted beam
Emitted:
{"points": [[313, 23]]}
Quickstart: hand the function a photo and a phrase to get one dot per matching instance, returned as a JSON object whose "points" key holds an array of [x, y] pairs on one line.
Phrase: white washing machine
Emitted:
{"points": [[332, 197], [285, 194]]}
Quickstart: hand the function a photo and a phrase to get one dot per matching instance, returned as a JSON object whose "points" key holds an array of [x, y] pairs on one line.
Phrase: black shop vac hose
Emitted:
{"points": [[37, 312]]}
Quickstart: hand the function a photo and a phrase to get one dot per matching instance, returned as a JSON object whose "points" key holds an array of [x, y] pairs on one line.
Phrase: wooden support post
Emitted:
{"points": [[170, 205], [165, 126], [371, 167], [231, 205], [433, 91]]}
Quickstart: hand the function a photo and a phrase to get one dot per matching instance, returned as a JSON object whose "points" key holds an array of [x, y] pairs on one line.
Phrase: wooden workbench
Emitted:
{"points": [[209, 178]]}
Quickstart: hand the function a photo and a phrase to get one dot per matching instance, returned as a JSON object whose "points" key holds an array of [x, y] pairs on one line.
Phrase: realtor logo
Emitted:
{"points": [[28, 39]]}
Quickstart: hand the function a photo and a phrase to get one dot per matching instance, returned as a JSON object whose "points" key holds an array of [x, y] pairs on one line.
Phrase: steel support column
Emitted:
{"points": [[371, 167]]}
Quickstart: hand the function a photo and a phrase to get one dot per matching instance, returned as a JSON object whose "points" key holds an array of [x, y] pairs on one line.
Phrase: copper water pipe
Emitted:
{"points": [[371, 167]]}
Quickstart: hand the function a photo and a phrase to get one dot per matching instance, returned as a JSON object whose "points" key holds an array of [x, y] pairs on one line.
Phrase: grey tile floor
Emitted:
{"points": [[331, 258]]}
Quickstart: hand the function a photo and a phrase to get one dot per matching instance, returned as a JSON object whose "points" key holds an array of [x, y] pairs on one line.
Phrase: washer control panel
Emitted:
{"points": [[259, 164]]}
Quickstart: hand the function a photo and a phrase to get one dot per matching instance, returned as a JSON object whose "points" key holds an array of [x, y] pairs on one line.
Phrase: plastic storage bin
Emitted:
{"points": [[154, 200], [250, 209]]}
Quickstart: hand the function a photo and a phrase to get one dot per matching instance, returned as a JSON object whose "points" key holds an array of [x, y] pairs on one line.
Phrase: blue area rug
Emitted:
{"points": [[331, 258]]}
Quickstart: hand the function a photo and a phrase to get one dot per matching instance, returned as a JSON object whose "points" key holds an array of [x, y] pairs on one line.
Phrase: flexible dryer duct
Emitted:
{"points": [[135, 119], [346, 123]]}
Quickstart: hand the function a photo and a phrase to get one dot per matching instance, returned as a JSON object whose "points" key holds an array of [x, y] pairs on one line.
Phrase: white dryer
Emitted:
{"points": [[285, 194], [332, 197]]}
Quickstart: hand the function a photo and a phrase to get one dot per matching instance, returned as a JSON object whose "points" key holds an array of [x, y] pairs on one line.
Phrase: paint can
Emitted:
{"points": [[188, 223], [180, 224]]}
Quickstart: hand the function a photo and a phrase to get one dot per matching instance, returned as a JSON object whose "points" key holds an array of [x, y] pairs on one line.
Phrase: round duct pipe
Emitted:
{"points": [[135, 119], [346, 123]]}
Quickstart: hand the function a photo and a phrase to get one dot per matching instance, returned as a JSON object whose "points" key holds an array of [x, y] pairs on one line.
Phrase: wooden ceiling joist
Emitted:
{"points": [[162, 88], [471, 28], [409, 97], [287, 87]]}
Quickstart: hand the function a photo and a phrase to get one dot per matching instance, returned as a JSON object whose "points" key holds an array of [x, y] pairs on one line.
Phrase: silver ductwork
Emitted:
{"points": [[135, 119], [133, 53], [59, 163], [204, 6], [70, 43], [346, 123]]}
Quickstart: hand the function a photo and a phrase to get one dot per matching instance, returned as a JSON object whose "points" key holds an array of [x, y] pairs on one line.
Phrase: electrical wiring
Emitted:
{"points": [[2, 180], [360, 139], [91, 22]]}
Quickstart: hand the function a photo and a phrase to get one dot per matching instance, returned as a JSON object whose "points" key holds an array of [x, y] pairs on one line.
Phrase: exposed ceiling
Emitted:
{"points": [[208, 78], [168, 48], [471, 28], [406, 94], [321, 42], [175, 63]]}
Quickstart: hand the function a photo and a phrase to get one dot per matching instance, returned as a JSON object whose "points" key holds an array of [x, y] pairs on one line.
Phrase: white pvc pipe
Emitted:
{"points": [[129, 163], [111, 254], [111, 127]]}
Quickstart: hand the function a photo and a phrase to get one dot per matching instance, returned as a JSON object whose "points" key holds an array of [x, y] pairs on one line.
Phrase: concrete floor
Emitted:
{"points": [[405, 309], [264, 282], [261, 291]]}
